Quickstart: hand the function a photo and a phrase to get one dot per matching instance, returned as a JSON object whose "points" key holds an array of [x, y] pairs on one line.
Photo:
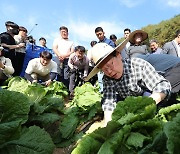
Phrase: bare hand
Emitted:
{"points": [[20, 45], [48, 82], [1, 65]]}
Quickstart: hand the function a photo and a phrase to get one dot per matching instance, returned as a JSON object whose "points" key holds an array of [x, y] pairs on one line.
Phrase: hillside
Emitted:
{"points": [[164, 31]]}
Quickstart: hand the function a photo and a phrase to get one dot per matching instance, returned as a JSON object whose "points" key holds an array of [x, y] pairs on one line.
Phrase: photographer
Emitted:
{"points": [[6, 68]]}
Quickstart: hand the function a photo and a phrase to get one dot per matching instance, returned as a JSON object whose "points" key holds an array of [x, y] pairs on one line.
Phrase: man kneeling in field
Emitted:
{"points": [[42, 69]]}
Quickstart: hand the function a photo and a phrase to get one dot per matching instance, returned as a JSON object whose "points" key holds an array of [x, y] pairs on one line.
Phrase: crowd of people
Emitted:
{"points": [[130, 68]]}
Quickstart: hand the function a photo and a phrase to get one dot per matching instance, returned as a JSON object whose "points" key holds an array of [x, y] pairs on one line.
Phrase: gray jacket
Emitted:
{"points": [[134, 51], [170, 48]]}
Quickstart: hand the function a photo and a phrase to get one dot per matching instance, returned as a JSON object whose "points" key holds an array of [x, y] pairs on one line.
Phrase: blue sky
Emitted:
{"points": [[83, 16]]}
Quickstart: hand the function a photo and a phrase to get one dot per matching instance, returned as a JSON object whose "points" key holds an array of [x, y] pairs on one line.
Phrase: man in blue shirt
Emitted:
{"points": [[102, 38]]}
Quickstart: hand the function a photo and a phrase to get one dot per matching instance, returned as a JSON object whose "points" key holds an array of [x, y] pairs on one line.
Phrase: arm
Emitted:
{"points": [[71, 50], [55, 48], [28, 77], [109, 100], [86, 68], [20, 45], [158, 97], [112, 44], [52, 77], [70, 62], [159, 86], [165, 48]]}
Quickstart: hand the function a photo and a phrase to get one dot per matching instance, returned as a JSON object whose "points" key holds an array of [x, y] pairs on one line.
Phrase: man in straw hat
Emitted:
{"points": [[125, 77]]}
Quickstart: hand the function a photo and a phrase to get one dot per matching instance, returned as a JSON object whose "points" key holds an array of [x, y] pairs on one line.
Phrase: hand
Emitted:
{"points": [[2, 65], [48, 82], [61, 58], [73, 70], [84, 78], [20, 45], [34, 81]]}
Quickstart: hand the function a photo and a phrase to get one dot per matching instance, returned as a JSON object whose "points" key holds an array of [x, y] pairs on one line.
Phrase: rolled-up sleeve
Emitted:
{"points": [[153, 81]]}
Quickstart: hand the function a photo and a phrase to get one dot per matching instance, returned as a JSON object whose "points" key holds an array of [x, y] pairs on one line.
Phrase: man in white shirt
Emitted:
{"points": [[6, 68], [63, 48], [20, 39], [42, 69]]}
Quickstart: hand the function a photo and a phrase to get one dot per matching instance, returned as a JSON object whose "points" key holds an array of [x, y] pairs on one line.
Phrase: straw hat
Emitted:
{"points": [[100, 52], [144, 35]]}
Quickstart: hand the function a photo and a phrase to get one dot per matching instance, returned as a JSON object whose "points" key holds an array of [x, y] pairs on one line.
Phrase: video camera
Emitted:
{"points": [[31, 39]]}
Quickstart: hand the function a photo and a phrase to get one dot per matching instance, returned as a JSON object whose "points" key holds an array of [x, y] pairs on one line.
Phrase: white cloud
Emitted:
{"points": [[83, 32], [173, 3], [131, 3]]}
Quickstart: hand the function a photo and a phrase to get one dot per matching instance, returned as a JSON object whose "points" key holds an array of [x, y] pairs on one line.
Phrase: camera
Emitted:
{"points": [[31, 39]]}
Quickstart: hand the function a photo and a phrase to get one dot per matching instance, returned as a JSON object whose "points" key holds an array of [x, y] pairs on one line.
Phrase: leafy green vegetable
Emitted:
{"points": [[157, 146], [137, 139], [45, 119], [168, 113], [14, 109], [68, 126], [172, 131], [86, 96], [88, 146], [32, 140], [111, 144], [133, 109], [17, 84]]}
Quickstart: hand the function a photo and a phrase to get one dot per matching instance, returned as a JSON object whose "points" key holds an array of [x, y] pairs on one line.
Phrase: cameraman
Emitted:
{"points": [[8, 42]]}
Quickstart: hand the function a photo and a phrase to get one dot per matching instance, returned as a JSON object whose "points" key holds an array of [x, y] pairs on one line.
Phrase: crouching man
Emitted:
{"points": [[125, 77], [6, 68], [79, 65], [42, 69]]}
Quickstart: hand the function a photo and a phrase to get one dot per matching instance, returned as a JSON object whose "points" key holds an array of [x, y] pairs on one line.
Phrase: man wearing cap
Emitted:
{"points": [[8, 42], [136, 38], [125, 77], [42, 42]]}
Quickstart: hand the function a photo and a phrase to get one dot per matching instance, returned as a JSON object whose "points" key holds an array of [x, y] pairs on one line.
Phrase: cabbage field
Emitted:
{"points": [[35, 119]]}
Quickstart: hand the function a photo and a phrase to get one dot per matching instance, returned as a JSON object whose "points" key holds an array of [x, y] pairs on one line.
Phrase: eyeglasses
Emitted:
{"points": [[109, 66]]}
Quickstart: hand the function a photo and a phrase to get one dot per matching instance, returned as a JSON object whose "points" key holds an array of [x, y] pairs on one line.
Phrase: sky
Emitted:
{"points": [[43, 18]]}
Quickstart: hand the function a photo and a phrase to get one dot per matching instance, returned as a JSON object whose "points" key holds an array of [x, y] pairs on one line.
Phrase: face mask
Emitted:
{"points": [[14, 31]]}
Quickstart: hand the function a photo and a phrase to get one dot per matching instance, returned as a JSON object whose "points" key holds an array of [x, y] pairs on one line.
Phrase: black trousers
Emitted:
{"points": [[18, 64]]}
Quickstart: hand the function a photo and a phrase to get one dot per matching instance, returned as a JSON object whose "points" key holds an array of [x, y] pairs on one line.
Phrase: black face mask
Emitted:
{"points": [[14, 31]]}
